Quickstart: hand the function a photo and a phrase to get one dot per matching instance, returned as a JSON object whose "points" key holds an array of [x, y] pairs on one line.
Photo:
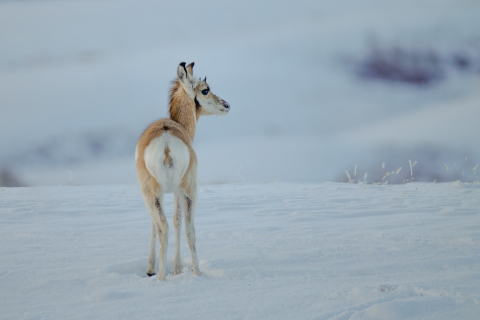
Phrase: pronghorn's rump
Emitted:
{"points": [[167, 159], [149, 136]]}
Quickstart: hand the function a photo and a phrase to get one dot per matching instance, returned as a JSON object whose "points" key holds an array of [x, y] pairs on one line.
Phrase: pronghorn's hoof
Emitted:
{"points": [[150, 274], [177, 266]]}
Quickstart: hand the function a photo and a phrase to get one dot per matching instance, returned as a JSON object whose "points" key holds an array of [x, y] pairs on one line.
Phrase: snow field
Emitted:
{"points": [[267, 251]]}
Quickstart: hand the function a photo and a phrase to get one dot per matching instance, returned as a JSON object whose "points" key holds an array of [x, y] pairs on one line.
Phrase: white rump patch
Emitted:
{"points": [[168, 176]]}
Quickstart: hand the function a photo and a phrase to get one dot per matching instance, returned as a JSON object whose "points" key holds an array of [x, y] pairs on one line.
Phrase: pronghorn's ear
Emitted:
{"points": [[190, 68], [186, 78], [181, 71]]}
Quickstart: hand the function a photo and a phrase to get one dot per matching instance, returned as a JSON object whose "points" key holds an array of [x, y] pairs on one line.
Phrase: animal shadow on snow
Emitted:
{"points": [[138, 267]]}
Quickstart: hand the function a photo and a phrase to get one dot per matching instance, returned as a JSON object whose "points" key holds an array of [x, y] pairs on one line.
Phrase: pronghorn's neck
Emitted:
{"points": [[183, 108]]}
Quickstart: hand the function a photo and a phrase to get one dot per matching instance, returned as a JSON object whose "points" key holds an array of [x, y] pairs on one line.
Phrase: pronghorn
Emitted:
{"points": [[166, 163]]}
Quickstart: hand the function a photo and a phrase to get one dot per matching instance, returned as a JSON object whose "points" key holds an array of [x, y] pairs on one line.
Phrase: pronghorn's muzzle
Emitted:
{"points": [[225, 105]]}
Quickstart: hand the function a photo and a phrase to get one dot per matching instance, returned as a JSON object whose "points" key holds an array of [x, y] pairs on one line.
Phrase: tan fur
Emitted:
{"points": [[185, 111]]}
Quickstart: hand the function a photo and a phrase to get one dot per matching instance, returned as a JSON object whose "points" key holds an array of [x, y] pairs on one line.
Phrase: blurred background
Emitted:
{"points": [[315, 87]]}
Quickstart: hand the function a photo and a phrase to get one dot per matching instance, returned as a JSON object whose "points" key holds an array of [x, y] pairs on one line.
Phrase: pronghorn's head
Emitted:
{"points": [[206, 102], [209, 103]]}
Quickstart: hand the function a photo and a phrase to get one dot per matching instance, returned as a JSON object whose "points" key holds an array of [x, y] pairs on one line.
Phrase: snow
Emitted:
{"points": [[267, 251], [450, 123]]}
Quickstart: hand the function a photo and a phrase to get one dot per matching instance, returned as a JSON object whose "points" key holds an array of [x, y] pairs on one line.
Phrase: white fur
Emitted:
{"points": [[168, 178], [211, 105], [211, 108]]}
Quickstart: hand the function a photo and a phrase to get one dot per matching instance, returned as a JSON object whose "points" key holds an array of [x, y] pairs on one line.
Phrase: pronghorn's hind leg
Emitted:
{"points": [[188, 204], [162, 231], [154, 205], [177, 222], [151, 254]]}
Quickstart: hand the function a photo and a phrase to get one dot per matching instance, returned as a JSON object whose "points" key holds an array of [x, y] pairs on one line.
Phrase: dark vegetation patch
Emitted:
{"points": [[9, 179], [417, 66]]}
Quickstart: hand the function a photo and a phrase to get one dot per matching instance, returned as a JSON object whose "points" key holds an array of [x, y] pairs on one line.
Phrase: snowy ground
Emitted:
{"points": [[267, 251], [80, 81]]}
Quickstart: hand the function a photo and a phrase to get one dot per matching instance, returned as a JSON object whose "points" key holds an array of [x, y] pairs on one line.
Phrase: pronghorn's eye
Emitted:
{"points": [[205, 92]]}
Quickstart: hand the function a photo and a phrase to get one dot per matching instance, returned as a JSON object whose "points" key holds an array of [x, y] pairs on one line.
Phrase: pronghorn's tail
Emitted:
{"points": [[168, 161]]}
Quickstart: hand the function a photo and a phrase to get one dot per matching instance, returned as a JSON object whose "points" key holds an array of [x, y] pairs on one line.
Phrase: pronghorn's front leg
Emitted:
{"points": [[151, 254], [177, 222], [162, 229], [189, 209]]}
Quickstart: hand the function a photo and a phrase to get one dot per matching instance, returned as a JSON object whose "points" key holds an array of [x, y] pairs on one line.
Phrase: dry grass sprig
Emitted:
{"points": [[396, 172], [387, 174], [239, 175], [411, 171], [474, 169], [348, 176], [446, 167]]}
